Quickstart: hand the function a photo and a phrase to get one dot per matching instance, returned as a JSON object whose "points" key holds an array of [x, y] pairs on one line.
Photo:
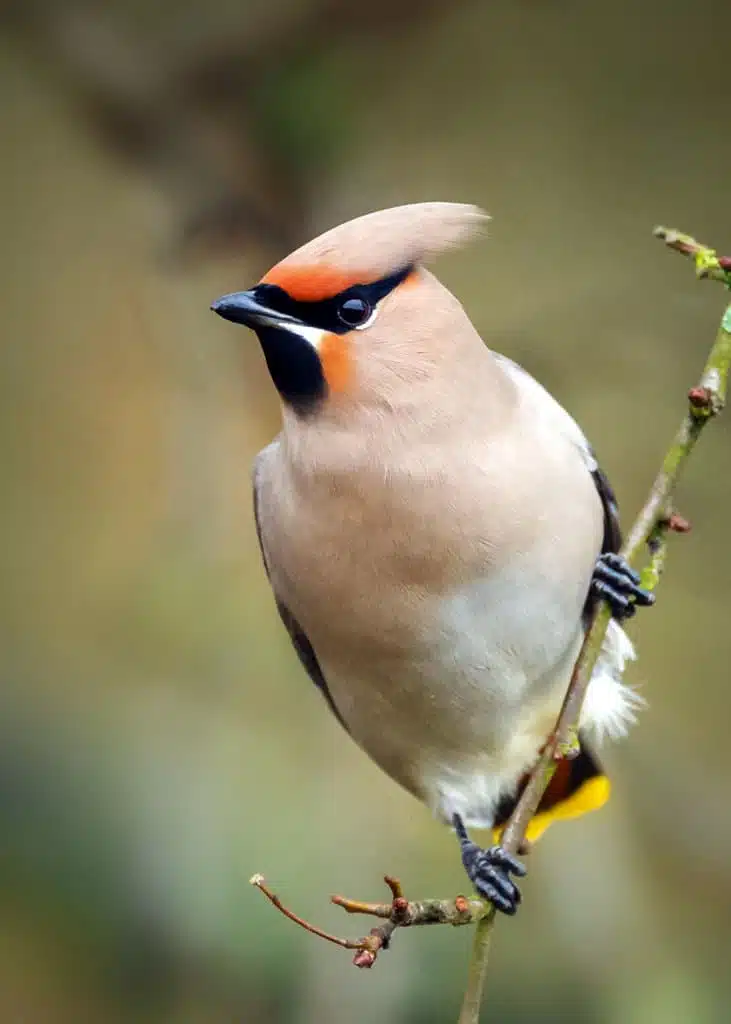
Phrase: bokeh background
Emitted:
{"points": [[158, 741]]}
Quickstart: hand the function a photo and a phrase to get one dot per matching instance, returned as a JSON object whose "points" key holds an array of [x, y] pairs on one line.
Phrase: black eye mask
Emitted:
{"points": [[339, 314]]}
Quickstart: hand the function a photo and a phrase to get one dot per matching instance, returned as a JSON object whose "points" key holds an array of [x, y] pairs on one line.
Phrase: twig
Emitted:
{"points": [[258, 881], [656, 520], [651, 527], [399, 913], [707, 263]]}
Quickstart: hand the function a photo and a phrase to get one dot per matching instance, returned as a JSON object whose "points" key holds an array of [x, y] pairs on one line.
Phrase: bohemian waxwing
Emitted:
{"points": [[434, 527]]}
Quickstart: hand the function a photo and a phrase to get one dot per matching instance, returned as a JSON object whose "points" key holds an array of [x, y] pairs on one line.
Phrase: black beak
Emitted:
{"points": [[245, 308]]}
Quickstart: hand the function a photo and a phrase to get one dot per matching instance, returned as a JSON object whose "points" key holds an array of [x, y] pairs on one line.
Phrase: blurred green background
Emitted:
{"points": [[158, 740]]}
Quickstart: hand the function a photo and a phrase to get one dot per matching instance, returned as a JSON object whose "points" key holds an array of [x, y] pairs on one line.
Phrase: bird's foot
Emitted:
{"points": [[619, 585], [489, 871]]}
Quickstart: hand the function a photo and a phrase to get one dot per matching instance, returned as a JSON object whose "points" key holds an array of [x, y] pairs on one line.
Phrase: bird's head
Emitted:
{"points": [[353, 315]]}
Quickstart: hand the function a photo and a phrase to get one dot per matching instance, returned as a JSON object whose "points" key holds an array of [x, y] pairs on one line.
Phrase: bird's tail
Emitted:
{"points": [[578, 785]]}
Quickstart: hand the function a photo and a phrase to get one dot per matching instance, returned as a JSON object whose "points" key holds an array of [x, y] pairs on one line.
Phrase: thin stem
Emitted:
{"points": [[652, 525], [477, 972], [258, 881]]}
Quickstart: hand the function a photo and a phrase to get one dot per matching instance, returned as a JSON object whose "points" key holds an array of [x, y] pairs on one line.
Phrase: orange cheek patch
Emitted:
{"points": [[412, 279], [337, 362], [311, 284]]}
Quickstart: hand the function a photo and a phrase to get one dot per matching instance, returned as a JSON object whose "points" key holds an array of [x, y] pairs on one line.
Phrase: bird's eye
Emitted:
{"points": [[355, 313]]}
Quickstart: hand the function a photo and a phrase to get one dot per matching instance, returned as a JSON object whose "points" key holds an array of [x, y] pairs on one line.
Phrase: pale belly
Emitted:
{"points": [[459, 717]]}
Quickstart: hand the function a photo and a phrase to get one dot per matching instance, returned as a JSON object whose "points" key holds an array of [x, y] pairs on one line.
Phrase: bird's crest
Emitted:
{"points": [[372, 246]]}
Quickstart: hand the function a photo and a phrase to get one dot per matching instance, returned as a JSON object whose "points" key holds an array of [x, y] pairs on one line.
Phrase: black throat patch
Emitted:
{"points": [[295, 368]]}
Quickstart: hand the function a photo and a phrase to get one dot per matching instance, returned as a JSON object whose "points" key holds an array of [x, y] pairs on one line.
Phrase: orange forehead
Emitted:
{"points": [[312, 284]]}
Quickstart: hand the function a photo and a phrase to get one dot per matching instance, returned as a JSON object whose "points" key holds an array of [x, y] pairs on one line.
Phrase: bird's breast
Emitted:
{"points": [[444, 606]]}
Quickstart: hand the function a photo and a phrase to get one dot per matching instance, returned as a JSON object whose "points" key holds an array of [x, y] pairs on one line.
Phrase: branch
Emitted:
{"points": [[399, 913], [656, 520]]}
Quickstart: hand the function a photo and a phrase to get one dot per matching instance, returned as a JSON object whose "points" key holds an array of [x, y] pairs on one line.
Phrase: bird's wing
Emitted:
{"points": [[566, 425], [300, 642]]}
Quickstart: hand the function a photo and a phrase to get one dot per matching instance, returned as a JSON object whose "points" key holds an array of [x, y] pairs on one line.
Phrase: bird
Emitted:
{"points": [[436, 531]]}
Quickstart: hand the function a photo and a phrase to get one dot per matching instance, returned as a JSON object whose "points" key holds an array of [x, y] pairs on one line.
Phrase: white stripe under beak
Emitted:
{"points": [[313, 335]]}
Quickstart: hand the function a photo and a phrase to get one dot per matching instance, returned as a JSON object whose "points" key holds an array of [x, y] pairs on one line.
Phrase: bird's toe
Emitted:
{"points": [[489, 871], [615, 582]]}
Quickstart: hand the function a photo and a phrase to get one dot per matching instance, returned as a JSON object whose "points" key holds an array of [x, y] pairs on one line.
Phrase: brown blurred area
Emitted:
{"points": [[158, 740]]}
